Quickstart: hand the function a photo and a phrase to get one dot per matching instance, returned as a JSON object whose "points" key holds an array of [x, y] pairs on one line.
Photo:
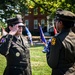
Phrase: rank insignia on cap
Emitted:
{"points": [[53, 41], [17, 54], [3, 40]]}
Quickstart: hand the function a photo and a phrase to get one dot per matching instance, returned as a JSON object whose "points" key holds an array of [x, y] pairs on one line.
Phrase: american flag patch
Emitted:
{"points": [[3, 40]]}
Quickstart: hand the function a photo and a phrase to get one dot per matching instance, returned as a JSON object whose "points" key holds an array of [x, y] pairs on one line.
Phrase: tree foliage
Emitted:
{"points": [[12, 7], [50, 6]]}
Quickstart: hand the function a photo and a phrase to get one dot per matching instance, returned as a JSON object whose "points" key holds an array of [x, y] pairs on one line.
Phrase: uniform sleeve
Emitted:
{"points": [[5, 43], [26, 43], [53, 56]]}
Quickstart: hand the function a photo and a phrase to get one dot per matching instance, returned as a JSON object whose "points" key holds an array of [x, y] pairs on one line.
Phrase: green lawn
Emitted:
{"points": [[38, 62], [2, 64]]}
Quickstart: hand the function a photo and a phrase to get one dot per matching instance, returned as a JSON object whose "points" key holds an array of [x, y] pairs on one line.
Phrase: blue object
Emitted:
{"points": [[42, 35], [27, 31], [29, 35], [47, 47]]}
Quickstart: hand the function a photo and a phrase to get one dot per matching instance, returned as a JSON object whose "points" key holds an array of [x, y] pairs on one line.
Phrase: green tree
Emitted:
{"points": [[50, 6], [12, 7]]}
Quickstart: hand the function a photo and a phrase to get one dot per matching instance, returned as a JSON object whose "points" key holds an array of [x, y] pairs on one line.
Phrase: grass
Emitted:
{"points": [[38, 62], [2, 64]]}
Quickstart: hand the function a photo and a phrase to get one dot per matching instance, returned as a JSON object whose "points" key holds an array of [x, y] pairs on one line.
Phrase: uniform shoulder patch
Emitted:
{"points": [[53, 41], [2, 40]]}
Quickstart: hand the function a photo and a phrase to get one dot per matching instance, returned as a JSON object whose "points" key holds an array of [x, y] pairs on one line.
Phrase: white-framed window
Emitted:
{"points": [[42, 22], [26, 12], [35, 24], [27, 23], [35, 11]]}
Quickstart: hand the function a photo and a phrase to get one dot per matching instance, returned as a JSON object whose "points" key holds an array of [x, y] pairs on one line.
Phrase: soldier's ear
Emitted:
{"points": [[60, 22], [10, 27]]}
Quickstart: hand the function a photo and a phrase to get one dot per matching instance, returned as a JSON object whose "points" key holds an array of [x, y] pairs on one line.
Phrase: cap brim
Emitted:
{"points": [[21, 24]]}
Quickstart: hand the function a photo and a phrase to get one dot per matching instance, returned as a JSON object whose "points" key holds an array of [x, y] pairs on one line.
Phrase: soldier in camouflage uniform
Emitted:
{"points": [[61, 57], [14, 46]]}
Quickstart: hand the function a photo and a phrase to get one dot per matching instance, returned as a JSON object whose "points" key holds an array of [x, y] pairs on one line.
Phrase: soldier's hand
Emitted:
{"points": [[14, 30], [4, 32]]}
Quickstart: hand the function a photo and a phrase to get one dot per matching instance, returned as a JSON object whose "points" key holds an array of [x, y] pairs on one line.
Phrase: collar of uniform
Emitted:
{"points": [[65, 30], [17, 37]]}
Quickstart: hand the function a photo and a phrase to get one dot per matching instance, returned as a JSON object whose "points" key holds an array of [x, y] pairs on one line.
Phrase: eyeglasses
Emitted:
{"points": [[20, 26]]}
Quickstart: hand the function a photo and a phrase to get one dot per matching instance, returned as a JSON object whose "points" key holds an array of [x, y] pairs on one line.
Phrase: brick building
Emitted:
{"points": [[33, 18]]}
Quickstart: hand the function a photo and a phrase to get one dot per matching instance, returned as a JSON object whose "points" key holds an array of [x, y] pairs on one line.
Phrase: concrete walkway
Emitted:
{"points": [[38, 43]]}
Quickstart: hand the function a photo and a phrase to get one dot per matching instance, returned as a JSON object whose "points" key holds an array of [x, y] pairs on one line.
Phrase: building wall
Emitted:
{"points": [[31, 17]]}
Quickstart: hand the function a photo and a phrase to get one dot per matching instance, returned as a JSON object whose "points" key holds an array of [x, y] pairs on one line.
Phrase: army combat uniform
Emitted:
{"points": [[17, 55]]}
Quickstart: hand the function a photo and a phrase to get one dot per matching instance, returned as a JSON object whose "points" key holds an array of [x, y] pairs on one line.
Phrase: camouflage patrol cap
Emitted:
{"points": [[65, 15], [15, 20]]}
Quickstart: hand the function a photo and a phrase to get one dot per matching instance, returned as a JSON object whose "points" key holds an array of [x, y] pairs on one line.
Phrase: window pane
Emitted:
{"points": [[42, 22], [27, 23], [26, 12], [36, 11], [35, 24]]}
